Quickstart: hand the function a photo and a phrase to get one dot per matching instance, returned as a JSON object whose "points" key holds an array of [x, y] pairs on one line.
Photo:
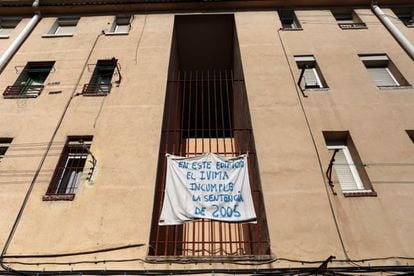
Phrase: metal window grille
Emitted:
{"points": [[4, 145], [289, 20], [30, 82], [100, 83], [68, 172], [207, 111]]}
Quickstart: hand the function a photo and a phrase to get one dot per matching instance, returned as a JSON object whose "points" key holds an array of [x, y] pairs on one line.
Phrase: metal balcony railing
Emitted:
{"points": [[346, 26], [92, 89], [22, 91]]}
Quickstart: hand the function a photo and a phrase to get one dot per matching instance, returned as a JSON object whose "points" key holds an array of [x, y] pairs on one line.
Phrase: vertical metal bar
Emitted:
{"points": [[202, 110], [209, 110], [180, 150], [196, 112], [239, 225], [188, 128], [215, 111], [229, 110], [222, 111], [161, 191]]}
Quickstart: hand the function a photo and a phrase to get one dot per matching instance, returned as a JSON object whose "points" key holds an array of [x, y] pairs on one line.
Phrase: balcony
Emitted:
{"points": [[22, 91], [349, 26], [92, 89]]}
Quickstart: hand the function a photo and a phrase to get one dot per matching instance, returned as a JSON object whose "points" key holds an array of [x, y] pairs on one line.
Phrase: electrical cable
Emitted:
{"points": [[314, 146], [140, 37], [29, 191], [76, 253]]}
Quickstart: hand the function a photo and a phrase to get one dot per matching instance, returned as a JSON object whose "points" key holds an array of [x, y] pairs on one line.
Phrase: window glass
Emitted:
{"points": [[69, 170], [383, 72], [289, 19], [309, 72]]}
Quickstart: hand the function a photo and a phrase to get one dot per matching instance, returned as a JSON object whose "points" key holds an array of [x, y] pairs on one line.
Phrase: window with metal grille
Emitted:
{"points": [[121, 25], [206, 110], [289, 20], [68, 172], [4, 145], [348, 19], [7, 25], [406, 15], [410, 134], [383, 72], [346, 163], [63, 26], [100, 82], [30, 83], [310, 74]]}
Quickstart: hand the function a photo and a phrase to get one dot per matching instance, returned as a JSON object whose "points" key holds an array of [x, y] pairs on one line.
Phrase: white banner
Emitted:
{"points": [[207, 186]]}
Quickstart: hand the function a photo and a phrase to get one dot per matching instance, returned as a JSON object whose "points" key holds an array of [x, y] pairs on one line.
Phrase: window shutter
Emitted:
{"points": [[343, 172], [310, 77], [382, 76]]}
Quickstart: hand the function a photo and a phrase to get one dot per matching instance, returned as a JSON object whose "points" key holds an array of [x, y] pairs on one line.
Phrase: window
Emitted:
{"points": [[30, 82], [348, 167], [411, 134], [64, 26], [100, 82], [4, 145], [348, 19], [68, 172], [289, 20], [206, 110], [383, 71], [7, 25], [310, 74], [121, 25], [406, 16]]}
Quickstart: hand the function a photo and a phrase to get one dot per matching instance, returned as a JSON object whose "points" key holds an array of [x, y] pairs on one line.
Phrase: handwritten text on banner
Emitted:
{"points": [[207, 186]]}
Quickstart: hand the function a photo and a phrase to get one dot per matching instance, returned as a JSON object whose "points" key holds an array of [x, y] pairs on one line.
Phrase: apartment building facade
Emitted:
{"points": [[95, 94]]}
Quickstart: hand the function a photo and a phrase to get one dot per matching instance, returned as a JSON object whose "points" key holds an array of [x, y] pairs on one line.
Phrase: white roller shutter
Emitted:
{"points": [[382, 76], [311, 78], [345, 170]]}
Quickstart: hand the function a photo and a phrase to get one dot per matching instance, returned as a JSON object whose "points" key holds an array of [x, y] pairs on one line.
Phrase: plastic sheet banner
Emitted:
{"points": [[208, 186]]}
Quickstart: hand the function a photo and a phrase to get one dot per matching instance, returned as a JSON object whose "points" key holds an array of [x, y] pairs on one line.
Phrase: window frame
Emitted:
{"points": [[120, 20], [289, 15], [342, 140], [382, 61], [348, 19], [406, 16], [27, 84], [82, 146], [350, 163], [96, 86], [8, 24], [60, 23], [5, 143], [307, 63]]}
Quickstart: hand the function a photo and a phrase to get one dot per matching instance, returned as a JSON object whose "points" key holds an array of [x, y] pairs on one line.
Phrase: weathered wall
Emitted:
{"points": [[116, 208]]}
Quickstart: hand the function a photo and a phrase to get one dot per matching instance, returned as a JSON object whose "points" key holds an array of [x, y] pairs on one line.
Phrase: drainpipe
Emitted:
{"points": [[408, 47], [8, 54]]}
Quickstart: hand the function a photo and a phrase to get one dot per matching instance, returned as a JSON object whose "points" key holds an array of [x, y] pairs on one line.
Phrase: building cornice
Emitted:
{"points": [[105, 6]]}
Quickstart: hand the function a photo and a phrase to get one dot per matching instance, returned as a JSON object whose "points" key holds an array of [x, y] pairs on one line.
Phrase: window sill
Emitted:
{"points": [[359, 193], [64, 197], [56, 35], [316, 89], [115, 34], [352, 26], [212, 259], [401, 87], [4, 36], [291, 29]]}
